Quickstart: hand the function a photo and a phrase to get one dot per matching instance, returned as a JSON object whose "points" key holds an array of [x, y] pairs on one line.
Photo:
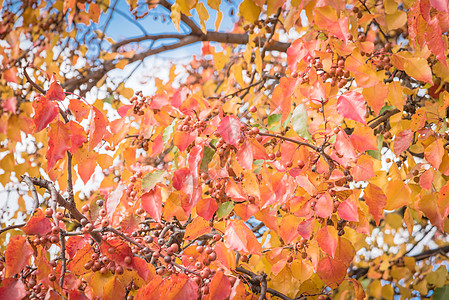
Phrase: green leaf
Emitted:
{"points": [[224, 209], [166, 135], [441, 293], [374, 154], [208, 153], [299, 121], [385, 108], [150, 180], [273, 119]]}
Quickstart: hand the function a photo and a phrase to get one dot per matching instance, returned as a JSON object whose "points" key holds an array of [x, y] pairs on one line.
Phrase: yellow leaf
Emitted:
{"points": [[258, 62], [396, 20], [218, 21], [418, 68], [301, 269], [249, 11], [121, 64], [203, 15], [175, 15], [250, 184], [214, 4]]}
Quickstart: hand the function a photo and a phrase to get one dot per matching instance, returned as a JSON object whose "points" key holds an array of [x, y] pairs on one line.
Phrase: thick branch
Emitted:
{"points": [[259, 282]]}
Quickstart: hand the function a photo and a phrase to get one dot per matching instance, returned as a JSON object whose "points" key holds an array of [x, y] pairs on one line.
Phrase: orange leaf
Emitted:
{"points": [[375, 96], [345, 251], [83, 255], [434, 40], [418, 68], [351, 105], [331, 271], [120, 251], [376, 201], [37, 224], [97, 127], [198, 227], [327, 238], [363, 139], [434, 153], [287, 228], [240, 238], [59, 142], [113, 289], [79, 109], [443, 200], [220, 287], [10, 75], [206, 208], [45, 111], [180, 286], [182, 139], [225, 256], [17, 255], [426, 179], [77, 135]]}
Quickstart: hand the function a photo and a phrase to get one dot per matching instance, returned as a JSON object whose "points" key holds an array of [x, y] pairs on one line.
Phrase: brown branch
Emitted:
{"points": [[34, 84], [186, 20], [374, 20], [70, 206], [259, 283], [33, 192], [383, 117], [12, 227]]}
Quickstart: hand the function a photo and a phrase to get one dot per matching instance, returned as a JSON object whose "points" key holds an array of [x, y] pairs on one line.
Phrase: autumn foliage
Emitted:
{"points": [[302, 155]]}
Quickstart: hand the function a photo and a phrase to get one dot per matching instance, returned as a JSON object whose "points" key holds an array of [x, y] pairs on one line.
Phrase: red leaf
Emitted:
{"points": [[440, 5], [206, 208], [296, 53], [73, 244], [17, 254], [305, 228], [152, 203], [58, 143], [183, 181], [327, 238], [180, 286], [79, 109], [82, 256], [364, 169], [402, 141], [340, 29], [351, 105], [195, 157], [10, 104], [324, 206], [426, 179], [97, 127], [376, 201], [121, 251], [434, 40], [229, 129], [345, 251], [240, 238], [331, 271], [77, 135], [245, 156], [45, 111], [77, 295], [347, 210], [37, 224], [12, 289], [55, 92], [344, 146], [220, 287], [114, 199]]}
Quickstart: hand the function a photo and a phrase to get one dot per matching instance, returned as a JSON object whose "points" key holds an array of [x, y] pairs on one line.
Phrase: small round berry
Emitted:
{"points": [[49, 212], [128, 260]]}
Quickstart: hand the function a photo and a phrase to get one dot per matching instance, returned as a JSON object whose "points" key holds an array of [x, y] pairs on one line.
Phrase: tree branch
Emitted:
{"points": [[186, 20], [383, 117], [70, 206]]}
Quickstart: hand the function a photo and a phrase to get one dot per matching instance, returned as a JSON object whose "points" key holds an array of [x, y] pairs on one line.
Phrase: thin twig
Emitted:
{"points": [[63, 258], [33, 192]]}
